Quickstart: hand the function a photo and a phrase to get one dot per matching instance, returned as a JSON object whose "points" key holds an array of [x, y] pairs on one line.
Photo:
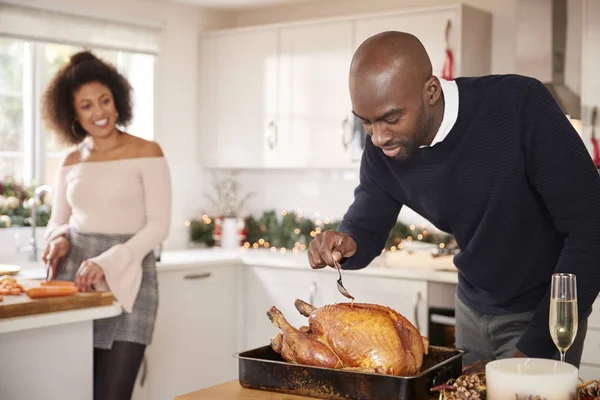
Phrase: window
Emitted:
{"points": [[27, 151]]}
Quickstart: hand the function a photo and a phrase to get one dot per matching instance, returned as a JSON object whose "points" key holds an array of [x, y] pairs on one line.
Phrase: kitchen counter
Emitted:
{"points": [[419, 265], [232, 390]]}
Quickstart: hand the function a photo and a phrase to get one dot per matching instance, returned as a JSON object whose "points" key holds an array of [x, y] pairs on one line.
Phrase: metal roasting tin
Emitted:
{"points": [[263, 369]]}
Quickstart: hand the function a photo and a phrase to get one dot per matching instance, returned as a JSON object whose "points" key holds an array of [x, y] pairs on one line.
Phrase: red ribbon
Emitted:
{"points": [[447, 70]]}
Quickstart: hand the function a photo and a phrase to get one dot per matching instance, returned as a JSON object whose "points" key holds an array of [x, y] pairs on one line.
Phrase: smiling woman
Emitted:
{"points": [[111, 209]]}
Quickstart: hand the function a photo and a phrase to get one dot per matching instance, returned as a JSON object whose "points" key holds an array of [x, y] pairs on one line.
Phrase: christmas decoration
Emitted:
{"points": [[16, 202], [291, 230]]}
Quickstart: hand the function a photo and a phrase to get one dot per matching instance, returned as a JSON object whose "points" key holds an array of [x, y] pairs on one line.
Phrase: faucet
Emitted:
{"points": [[33, 249]]}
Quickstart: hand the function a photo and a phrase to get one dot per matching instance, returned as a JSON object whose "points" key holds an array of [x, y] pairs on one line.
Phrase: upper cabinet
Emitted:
{"points": [[278, 97], [465, 30]]}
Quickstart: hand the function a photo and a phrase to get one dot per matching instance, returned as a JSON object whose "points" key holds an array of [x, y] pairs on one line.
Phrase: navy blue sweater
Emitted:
{"points": [[515, 185]]}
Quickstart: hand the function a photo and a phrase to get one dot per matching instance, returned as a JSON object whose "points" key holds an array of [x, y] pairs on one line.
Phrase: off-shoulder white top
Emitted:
{"points": [[126, 196]]}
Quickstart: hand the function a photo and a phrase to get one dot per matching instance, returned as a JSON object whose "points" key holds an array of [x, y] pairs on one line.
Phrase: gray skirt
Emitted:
{"points": [[136, 326]]}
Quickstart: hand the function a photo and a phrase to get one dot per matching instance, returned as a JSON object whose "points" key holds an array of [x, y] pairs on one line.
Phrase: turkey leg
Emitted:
{"points": [[304, 308], [300, 347]]}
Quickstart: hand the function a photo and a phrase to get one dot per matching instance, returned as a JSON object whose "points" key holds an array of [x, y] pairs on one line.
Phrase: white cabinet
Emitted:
{"points": [[196, 331], [238, 97], [590, 359], [278, 96], [469, 35], [314, 101], [267, 287]]}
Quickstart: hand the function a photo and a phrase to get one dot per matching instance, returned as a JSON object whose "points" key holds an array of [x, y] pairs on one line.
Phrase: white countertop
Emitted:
{"points": [[58, 318], [420, 265]]}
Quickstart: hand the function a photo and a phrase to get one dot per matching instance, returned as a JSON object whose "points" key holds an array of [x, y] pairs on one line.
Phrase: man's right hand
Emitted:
{"points": [[330, 245], [55, 251]]}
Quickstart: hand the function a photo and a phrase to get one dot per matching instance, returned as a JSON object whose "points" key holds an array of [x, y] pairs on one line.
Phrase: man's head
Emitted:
{"points": [[395, 94]]}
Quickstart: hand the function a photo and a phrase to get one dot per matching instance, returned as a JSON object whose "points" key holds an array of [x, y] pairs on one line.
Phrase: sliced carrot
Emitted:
{"points": [[4, 291], [57, 283], [51, 291], [15, 291]]}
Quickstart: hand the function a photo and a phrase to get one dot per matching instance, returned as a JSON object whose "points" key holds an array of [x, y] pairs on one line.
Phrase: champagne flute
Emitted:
{"points": [[563, 311]]}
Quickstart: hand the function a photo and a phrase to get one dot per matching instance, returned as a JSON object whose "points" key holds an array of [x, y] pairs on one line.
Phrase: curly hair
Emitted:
{"points": [[58, 111]]}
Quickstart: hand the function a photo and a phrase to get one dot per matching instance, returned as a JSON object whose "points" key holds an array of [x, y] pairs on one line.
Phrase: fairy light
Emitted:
{"points": [[420, 237], [326, 221], [393, 249], [297, 244], [295, 250], [284, 212], [266, 244], [283, 250], [297, 231], [187, 223], [318, 230], [273, 249], [302, 247], [410, 238], [442, 245], [247, 245], [412, 227], [318, 222], [261, 241], [255, 246], [313, 233]]}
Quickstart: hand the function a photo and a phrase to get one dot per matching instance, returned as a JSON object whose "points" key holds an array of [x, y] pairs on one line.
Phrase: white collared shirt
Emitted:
{"points": [[450, 91]]}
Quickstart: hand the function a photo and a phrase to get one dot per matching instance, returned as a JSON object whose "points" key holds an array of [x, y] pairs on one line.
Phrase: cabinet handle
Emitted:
{"points": [[274, 134], [345, 140], [144, 371], [417, 301], [313, 291], [202, 275]]}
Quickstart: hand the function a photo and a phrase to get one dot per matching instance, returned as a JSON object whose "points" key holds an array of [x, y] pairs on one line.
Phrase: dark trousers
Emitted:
{"points": [[490, 337], [115, 370]]}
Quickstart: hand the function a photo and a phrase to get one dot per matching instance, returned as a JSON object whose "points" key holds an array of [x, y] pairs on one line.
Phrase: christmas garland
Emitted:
{"points": [[292, 231]]}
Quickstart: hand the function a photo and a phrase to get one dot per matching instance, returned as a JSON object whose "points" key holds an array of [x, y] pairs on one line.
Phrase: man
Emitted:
{"points": [[493, 161]]}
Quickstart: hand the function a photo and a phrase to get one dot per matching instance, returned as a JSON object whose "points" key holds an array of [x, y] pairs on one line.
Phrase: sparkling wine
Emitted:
{"points": [[563, 322]]}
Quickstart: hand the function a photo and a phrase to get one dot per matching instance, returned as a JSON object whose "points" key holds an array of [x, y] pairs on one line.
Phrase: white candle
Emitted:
{"points": [[523, 377]]}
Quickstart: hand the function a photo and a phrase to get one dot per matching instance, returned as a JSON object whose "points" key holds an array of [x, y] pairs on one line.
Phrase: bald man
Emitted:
{"points": [[492, 160]]}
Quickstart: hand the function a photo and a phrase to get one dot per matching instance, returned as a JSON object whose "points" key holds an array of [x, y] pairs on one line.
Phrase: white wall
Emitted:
{"points": [[176, 97]]}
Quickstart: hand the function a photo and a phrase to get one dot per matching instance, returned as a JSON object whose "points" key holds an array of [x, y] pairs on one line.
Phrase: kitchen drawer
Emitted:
{"points": [[594, 319], [589, 372], [591, 347]]}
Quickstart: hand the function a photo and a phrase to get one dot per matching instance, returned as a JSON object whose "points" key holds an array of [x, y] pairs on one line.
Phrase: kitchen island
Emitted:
{"points": [[50, 355]]}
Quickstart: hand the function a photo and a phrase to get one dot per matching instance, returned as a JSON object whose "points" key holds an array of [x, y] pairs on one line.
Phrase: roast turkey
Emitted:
{"points": [[360, 337]]}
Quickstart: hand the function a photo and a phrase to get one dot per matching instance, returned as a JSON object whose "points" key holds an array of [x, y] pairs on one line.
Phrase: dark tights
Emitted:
{"points": [[115, 370]]}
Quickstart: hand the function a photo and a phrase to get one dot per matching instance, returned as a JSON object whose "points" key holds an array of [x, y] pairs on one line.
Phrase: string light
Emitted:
{"points": [[261, 241], [302, 247], [255, 245], [283, 250], [273, 249], [393, 249], [412, 227], [187, 223], [442, 245], [297, 231], [295, 250], [318, 230], [284, 212], [420, 237], [326, 221], [266, 244], [247, 245], [318, 222], [410, 238]]}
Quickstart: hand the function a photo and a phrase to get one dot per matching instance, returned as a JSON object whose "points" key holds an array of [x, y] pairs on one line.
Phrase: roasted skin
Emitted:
{"points": [[360, 337]]}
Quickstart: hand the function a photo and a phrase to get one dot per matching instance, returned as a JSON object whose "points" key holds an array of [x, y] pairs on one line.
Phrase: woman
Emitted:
{"points": [[111, 208]]}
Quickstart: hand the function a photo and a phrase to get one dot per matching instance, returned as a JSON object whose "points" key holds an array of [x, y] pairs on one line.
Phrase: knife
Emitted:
{"points": [[49, 271]]}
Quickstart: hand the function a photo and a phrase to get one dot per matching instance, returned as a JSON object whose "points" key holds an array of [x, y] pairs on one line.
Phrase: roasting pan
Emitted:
{"points": [[262, 368]]}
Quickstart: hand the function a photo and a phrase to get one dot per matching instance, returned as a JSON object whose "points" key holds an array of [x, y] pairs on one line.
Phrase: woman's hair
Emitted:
{"points": [[58, 111]]}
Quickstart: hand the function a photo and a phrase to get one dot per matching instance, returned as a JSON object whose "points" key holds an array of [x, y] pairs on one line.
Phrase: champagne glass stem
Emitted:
{"points": [[562, 356]]}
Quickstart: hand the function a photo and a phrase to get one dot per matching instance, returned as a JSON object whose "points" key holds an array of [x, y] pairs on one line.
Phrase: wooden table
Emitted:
{"points": [[232, 390]]}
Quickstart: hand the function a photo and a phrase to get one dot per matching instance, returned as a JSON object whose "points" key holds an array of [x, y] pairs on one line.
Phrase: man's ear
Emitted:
{"points": [[433, 90]]}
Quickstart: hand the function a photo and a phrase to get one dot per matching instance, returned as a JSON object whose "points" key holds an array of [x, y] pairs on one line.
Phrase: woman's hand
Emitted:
{"points": [[55, 251], [88, 275]]}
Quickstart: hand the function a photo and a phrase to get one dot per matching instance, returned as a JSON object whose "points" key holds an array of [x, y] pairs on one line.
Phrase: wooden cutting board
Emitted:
{"points": [[21, 305]]}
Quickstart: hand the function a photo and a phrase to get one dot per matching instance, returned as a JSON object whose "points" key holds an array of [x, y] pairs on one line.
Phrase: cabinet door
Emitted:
{"points": [[315, 108], [267, 287], [245, 102], [428, 26], [407, 297], [208, 115], [195, 333]]}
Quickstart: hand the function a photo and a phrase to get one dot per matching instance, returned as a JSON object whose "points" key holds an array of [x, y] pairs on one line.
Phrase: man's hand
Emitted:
{"points": [[475, 368], [330, 245], [55, 251], [89, 274]]}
